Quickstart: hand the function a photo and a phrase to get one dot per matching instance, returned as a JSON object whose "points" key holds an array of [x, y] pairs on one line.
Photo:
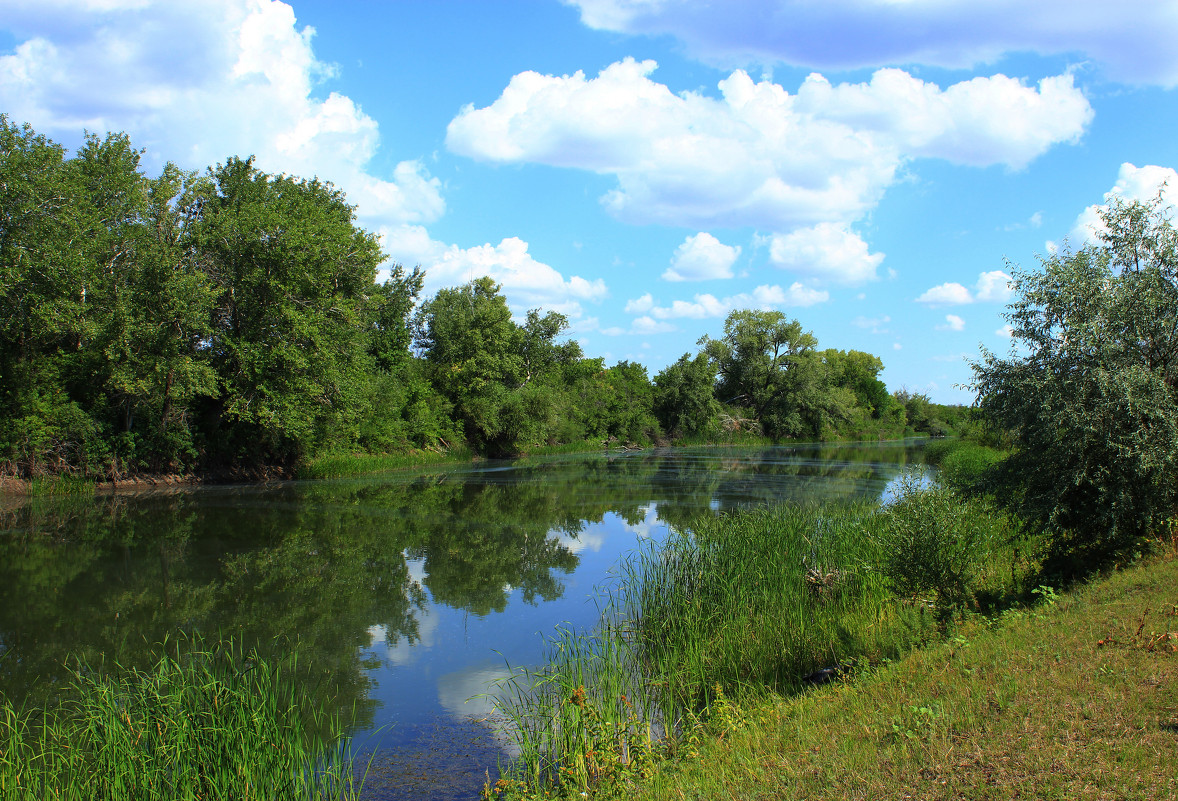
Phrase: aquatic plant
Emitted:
{"points": [[741, 604], [207, 721]]}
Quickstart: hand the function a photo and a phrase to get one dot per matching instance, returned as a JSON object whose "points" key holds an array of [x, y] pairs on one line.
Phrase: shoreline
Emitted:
{"points": [[359, 464]]}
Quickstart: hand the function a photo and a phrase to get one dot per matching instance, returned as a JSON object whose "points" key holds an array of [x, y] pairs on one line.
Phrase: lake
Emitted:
{"points": [[407, 593]]}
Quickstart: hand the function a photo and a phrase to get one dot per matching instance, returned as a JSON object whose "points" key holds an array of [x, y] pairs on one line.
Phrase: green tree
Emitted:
{"points": [[503, 379], [1088, 392], [292, 272], [148, 305], [769, 365], [42, 305], [684, 399]]}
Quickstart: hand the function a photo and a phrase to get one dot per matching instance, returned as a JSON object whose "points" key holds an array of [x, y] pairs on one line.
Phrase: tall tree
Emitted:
{"points": [[684, 399], [490, 368], [1090, 388], [292, 271], [148, 304], [768, 364]]}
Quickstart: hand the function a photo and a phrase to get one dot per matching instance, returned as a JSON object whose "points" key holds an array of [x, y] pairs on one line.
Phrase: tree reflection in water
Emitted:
{"points": [[363, 576]]}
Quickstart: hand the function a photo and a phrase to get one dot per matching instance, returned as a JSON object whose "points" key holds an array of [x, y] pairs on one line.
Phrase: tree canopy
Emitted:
{"points": [[232, 320], [1089, 391]]}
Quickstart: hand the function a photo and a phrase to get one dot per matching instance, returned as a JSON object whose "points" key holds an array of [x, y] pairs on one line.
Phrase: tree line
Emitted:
{"points": [[233, 319]]}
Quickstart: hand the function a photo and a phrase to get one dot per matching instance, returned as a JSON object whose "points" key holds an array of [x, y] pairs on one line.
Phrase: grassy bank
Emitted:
{"points": [[206, 722], [1074, 698], [743, 607], [343, 465]]}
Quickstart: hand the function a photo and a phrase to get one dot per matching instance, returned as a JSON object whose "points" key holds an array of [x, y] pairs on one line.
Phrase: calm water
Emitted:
{"points": [[407, 593]]}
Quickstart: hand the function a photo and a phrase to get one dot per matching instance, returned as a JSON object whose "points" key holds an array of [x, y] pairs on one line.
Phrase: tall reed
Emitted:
{"points": [[205, 722], [742, 604]]}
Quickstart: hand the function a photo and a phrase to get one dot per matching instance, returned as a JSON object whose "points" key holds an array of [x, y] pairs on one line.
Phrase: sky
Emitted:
{"points": [[876, 169]]}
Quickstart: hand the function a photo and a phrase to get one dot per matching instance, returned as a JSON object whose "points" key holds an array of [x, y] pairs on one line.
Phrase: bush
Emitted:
{"points": [[933, 541]]}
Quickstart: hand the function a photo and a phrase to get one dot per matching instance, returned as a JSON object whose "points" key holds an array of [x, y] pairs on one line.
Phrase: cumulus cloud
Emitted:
{"points": [[952, 323], [705, 306], [991, 287], [197, 81], [1133, 183], [946, 294], [640, 305], [527, 283], [1132, 42], [700, 258], [1005, 331], [826, 250], [756, 154]]}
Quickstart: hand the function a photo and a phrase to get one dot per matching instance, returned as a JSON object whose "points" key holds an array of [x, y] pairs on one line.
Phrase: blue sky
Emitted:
{"points": [[872, 168]]}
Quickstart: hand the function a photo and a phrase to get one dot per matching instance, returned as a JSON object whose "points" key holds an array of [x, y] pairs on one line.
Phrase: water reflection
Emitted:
{"points": [[399, 590]]}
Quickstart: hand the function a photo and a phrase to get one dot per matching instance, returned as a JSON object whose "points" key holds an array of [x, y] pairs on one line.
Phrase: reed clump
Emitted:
{"points": [[204, 722], [343, 465], [740, 607]]}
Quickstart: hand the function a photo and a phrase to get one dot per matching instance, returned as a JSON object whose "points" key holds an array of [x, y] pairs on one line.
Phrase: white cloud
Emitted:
{"points": [[1005, 331], [826, 250], [640, 305], [877, 325], [1132, 41], [1133, 183], [946, 294], [706, 306], [700, 258], [952, 323], [197, 81], [992, 287], [527, 283], [756, 154]]}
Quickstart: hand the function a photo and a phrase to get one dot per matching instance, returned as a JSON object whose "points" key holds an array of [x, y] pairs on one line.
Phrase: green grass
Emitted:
{"points": [[743, 606], [61, 485], [205, 722], [342, 465], [1074, 698], [963, 464]]}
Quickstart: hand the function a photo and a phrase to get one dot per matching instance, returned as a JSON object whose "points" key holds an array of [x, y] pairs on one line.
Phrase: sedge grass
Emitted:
{"points": [[343, 465], [61, 485], [741, 607], [205, 722]]}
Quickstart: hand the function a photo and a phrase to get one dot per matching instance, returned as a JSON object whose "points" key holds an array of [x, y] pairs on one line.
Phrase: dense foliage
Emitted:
{"points": [[1089, 392], [233, 320]]}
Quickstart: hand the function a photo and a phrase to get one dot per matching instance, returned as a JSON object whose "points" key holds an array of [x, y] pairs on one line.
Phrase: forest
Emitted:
{"points": [[231, 322]]}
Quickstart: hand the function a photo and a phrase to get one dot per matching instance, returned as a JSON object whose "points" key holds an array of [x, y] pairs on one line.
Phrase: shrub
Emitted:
{"points": [[933, 541]]}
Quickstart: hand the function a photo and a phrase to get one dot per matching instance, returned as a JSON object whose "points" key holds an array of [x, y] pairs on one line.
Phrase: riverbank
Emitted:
{"points": [[1075, 697], [346, 465]]}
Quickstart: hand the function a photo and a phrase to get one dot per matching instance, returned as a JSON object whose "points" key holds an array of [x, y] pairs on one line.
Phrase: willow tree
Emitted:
{"points": [[1089, 390]]}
